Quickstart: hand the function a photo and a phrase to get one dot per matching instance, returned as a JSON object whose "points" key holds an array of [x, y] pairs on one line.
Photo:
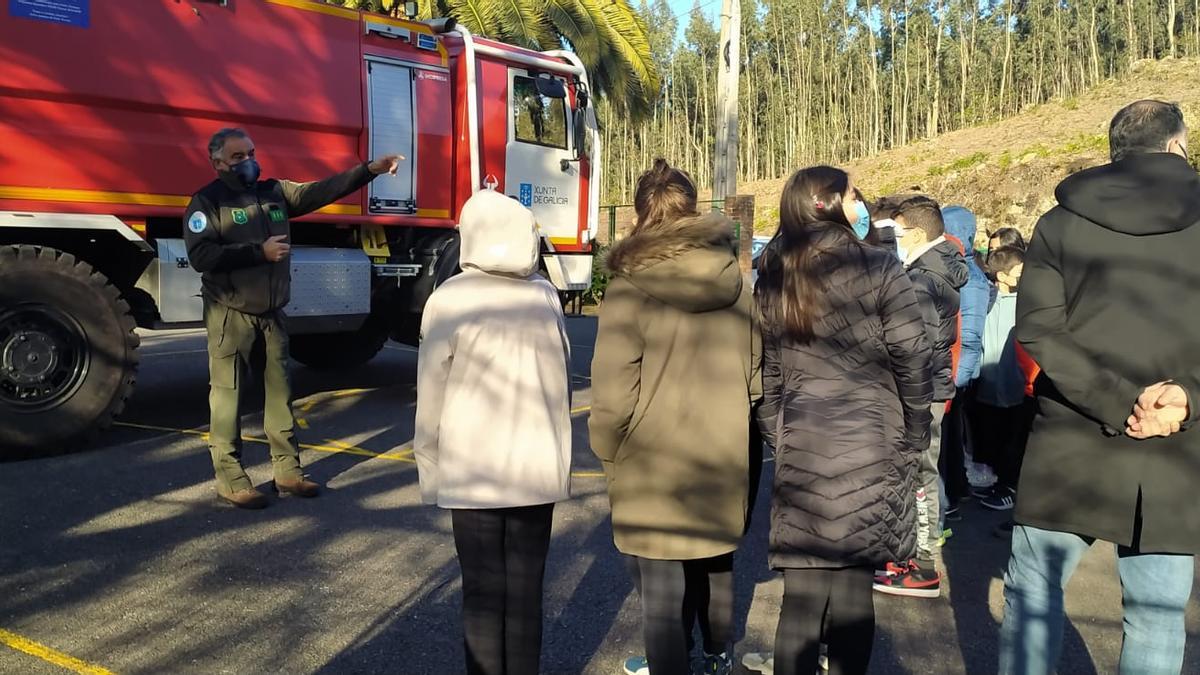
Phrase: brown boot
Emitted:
{"points": [[244, 499], [296, 486]]}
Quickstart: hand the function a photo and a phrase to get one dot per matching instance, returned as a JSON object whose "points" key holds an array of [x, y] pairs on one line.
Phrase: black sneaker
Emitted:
{"points": [[1001, 499], [952, 514], [1004, 530], [982, 491], [914, 582]]}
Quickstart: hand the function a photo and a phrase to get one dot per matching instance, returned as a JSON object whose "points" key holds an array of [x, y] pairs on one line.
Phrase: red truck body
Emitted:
{"points": [[114, 117], [106, 110]]}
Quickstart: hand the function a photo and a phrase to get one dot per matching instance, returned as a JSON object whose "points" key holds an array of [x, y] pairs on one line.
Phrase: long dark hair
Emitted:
{"points": [[789, 288], [664, 195], [1009, 237]]}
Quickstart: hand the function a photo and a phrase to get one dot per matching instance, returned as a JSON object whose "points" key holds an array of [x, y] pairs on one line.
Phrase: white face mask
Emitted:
{"points": [[901, 252]]}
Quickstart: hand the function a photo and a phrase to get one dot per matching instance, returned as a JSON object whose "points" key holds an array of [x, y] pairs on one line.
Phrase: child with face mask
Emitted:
{"points": [[861, 224], [938, 270], [1002, 412]]}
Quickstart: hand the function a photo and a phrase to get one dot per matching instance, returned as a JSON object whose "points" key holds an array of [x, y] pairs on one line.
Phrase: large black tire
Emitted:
{"points": [[442, 254], [325, 351], [68, 352]]}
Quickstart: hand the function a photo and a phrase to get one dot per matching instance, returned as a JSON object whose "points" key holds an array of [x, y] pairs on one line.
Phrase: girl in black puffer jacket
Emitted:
{"points": [[846, 406]]}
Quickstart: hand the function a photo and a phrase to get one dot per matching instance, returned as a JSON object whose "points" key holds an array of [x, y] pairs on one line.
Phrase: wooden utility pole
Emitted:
{"points": [[725, 167]]}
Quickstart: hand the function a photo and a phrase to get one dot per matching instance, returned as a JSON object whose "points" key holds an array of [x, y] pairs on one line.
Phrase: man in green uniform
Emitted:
{"points": [[236, 229]]}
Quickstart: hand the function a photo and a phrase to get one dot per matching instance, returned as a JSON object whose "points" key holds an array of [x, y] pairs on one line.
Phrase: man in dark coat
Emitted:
{"points": [[1108, 309]]}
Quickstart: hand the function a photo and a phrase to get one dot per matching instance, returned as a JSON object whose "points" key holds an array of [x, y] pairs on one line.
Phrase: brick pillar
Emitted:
{"points": [[740, 209]]}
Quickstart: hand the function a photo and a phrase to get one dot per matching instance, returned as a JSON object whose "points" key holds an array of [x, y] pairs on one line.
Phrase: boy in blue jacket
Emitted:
{"points": [[974, 298]]}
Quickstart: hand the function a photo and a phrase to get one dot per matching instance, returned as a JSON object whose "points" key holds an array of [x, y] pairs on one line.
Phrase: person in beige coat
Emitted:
{"points": [[493, 432], [674, 376]]}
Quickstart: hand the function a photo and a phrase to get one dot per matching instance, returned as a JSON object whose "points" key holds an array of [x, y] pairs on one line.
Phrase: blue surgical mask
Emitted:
{"points": [[863, 225]]}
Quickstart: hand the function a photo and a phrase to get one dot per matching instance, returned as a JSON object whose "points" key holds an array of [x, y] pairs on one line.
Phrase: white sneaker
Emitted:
{"points": [[764, 662], [759, 662]]}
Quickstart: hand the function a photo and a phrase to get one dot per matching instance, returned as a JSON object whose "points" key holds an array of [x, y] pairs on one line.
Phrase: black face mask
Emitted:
{"points": [[243, 174]]}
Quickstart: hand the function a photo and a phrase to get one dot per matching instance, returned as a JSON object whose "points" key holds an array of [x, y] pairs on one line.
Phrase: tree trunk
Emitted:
{"points": [[1171, 26], [1007, 56], [907, 80], [935, 108], [964, 60], [1131, 45], [876, 107]]}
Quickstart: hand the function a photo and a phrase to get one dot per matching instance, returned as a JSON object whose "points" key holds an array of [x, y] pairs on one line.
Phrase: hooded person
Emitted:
{"points": [[973, 296], [974, 300], [1108, 309], [493, 427], [674, 375]]}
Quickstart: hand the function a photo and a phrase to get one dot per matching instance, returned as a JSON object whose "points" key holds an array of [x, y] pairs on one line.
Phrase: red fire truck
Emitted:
{"points": [[105, 112]]}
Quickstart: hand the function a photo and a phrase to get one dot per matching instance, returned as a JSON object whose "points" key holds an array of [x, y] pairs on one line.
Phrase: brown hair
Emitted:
{"points": [[664, 194], [789, 288]]}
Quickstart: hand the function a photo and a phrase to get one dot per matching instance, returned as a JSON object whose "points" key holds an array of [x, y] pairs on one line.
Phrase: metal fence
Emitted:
{"points": [[620, 218]]}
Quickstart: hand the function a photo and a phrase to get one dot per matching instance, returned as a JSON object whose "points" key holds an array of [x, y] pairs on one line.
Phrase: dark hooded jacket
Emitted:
{"points": [[1107, 305], [673, 377], [937, 275], [848, 414]]}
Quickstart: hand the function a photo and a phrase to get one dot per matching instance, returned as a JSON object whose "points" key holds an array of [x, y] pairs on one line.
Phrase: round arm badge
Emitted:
{"points": [[197, 222]]}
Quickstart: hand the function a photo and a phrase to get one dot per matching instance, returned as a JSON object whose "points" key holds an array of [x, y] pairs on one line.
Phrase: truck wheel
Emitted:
{"points": [[324, 351], [442, 253], [68, 352]]}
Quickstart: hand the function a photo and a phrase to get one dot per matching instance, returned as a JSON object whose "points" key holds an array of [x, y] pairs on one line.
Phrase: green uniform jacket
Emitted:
{"points": [[225, 227]]}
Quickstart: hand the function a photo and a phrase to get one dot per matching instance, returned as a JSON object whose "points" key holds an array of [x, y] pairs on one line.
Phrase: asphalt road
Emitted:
{"points": [[121, 557]]}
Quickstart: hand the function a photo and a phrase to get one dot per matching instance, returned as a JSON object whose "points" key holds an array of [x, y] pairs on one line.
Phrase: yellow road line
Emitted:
{"points": [[341, 446], [323, 397], [151, 427], [178, 353], [49, 655], [333, 446]]}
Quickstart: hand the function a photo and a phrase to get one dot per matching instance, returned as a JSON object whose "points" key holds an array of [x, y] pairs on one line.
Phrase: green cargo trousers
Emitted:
{"points": [[232, 336]]}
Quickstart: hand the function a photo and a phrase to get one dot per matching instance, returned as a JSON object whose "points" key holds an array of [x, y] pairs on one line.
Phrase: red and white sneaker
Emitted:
{"points": [[914, 582]]}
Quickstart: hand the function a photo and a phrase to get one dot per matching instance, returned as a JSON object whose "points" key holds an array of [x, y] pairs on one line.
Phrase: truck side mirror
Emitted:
{"points": [[551, 87], [582, 138]]}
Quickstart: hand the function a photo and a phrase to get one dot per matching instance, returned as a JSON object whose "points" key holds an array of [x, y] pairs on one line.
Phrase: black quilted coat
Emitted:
{"points": [[848, 414]]}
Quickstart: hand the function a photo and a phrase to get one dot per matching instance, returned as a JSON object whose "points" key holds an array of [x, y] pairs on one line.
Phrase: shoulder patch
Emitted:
{"points": [[197, 222]]}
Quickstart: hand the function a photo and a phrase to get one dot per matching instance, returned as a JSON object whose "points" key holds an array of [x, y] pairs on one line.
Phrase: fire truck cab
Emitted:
{"points": [[106, 110]]}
